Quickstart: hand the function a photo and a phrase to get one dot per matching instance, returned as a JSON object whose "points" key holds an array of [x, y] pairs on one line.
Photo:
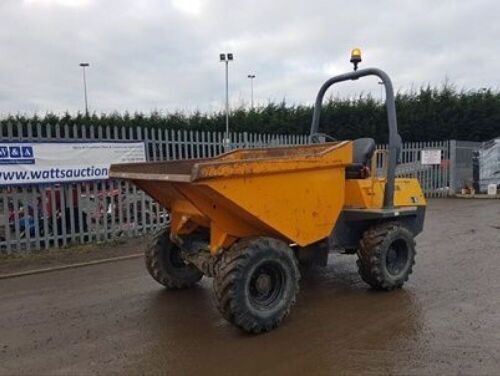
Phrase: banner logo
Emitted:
{"points": [[19, 154]]}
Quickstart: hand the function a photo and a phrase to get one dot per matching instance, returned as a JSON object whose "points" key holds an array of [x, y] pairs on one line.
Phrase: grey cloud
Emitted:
{"points": [[150, 54]]}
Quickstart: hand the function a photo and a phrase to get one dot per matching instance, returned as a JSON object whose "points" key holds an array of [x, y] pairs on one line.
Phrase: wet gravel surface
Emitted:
{"points": [[114, 319], [56, 257]]}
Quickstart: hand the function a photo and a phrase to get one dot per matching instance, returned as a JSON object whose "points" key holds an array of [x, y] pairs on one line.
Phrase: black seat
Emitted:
{"points": [[362, 150], [362, 153]]}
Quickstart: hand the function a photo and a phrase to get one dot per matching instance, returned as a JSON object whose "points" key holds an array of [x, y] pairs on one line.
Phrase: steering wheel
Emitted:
{"points": [[316, 138]]}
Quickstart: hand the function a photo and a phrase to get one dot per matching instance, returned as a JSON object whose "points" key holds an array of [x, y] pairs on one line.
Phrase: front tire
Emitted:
{"points": [[256, 283], [386, 256], [165, 264]]}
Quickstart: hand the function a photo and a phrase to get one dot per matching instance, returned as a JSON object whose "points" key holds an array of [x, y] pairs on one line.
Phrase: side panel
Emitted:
{"points": [[369, 193], [302, 206], [364, 193], [408, 193]]}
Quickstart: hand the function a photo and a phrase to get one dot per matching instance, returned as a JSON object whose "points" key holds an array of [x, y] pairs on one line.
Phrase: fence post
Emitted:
{"points": [[453, 161], [245, 140]]}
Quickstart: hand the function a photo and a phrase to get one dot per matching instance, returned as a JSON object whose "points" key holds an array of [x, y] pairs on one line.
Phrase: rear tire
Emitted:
{"points": [[165, 264], [387, 255], [256, 283]]}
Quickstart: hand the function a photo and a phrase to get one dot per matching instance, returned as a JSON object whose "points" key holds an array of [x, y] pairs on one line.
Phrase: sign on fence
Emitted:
{"points": [[50, 162], [431, 156]]}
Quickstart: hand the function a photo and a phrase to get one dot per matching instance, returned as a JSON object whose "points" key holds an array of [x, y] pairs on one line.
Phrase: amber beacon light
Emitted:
{"points": [[356, 57]]}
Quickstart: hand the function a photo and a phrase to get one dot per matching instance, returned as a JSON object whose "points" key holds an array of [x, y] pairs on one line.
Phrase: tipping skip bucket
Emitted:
{"points": [[295, 193]]}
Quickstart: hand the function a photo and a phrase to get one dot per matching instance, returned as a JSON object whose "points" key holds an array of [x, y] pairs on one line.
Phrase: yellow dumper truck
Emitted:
{"points": [[247, 218]]}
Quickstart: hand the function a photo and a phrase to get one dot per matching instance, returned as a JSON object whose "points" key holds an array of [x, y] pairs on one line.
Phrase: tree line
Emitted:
{"points": [[426, 114]]}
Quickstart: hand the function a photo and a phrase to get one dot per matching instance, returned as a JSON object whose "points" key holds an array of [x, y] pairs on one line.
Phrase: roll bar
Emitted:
{"points": [[394, 137]]}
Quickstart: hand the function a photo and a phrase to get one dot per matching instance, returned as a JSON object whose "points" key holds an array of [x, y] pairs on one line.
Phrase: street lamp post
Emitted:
{"points": [[251, 77], [381, 90], [84, 66], [226, 58]]}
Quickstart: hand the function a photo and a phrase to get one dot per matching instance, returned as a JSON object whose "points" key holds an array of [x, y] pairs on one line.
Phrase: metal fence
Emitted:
{"points": [[37, 217], [434, 178]]}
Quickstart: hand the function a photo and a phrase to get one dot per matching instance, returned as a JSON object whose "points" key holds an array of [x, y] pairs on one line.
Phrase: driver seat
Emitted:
{"points": [[362, 153]]}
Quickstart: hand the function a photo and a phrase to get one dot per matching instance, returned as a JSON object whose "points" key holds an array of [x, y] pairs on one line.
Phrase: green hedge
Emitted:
{"points": [[424, 115]]}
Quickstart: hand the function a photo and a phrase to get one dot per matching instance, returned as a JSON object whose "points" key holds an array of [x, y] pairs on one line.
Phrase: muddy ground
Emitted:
{"points": [[114, 319], [55, 257]]}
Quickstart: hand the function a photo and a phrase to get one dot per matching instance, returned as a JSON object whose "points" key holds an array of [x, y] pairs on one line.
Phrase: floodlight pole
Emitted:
{"points": [[227, 99], [85, 65], [251, 77], [226, 58]]}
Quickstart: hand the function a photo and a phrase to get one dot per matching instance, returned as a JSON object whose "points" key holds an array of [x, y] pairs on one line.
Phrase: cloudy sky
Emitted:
{"points": [[163, 54]]}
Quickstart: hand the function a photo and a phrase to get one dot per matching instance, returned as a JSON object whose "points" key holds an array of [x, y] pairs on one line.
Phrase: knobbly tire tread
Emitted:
{"points": [[231, 263], [159, 270], [370, 255]]}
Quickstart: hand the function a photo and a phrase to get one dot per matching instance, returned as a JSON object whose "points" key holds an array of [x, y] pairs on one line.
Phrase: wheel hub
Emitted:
{"points": [[396, 257], [267, 285], [392, 257], [263, 283]]}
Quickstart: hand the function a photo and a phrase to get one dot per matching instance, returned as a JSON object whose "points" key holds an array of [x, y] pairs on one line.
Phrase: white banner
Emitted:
{"points": [[32, 163]]}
